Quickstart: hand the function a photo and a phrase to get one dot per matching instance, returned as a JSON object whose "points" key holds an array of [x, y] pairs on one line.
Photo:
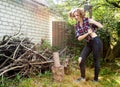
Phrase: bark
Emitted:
{"points": [[57, 68], [56, 59], [58, 73]]}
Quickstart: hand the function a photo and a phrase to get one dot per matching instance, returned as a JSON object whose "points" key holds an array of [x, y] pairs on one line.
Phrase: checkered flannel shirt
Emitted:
{"points": [[81, 30]]}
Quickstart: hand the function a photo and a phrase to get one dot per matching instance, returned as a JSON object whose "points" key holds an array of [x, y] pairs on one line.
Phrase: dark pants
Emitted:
{"points": [[95, 46]]}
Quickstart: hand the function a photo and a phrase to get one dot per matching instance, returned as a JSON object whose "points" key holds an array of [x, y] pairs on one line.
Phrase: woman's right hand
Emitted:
{"points": [[90, 31]]}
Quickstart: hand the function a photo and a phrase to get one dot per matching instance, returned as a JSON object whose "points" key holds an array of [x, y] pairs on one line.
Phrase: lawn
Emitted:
{"points": [[109, 77]]}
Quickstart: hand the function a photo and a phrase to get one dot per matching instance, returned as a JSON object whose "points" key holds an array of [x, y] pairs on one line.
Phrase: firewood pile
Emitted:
{"points": [[20, 56]]}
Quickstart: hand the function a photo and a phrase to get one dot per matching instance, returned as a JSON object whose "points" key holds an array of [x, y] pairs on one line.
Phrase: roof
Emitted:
{"points": [[42, 2], [37, 2]]}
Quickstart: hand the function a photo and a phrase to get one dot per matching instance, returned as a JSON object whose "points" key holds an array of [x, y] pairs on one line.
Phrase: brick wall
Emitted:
{"points": [[31, 20]]}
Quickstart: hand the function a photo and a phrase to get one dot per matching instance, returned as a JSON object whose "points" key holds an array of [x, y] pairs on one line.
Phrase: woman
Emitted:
{"points": [[84, 30]]}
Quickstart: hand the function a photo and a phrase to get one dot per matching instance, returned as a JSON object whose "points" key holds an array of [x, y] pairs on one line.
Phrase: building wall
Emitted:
{"points": [[33, 21]]}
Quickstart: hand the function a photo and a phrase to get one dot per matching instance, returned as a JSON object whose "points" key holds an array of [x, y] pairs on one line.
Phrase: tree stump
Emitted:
{"points": [[57, 68]]}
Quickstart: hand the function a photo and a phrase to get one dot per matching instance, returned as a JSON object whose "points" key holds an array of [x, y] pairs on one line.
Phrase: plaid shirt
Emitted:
{"points": [[81, 30]]}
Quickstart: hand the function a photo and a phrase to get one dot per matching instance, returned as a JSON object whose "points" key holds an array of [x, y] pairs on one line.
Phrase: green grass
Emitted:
{"points": [[109, 77]]}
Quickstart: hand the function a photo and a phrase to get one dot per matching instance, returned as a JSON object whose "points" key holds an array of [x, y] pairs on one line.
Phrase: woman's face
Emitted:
{"points": [[77, 16]]}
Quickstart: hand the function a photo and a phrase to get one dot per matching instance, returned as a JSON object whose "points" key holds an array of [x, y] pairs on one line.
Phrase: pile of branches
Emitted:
{"points": [[19, 56]]}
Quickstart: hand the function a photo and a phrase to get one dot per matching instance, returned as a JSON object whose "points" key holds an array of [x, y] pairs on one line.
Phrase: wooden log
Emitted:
{"points": [[56, 59], [58, 73], [57, 68]]}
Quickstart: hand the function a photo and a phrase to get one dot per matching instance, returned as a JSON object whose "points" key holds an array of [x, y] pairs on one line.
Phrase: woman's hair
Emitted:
{"points": [[80, 11]]}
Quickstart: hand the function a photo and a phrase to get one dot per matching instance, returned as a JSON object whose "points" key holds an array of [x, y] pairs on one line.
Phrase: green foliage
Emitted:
{"points": [[118, 28], [24, 82], [2, 81], [63, 7], [116, 50], [107, 15], [47, 73], [18, 77], [106, 71], [110, 74], [73, 44], [6, 82], [110, 83], [75, 58], [55, 48], [45, 44]]}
